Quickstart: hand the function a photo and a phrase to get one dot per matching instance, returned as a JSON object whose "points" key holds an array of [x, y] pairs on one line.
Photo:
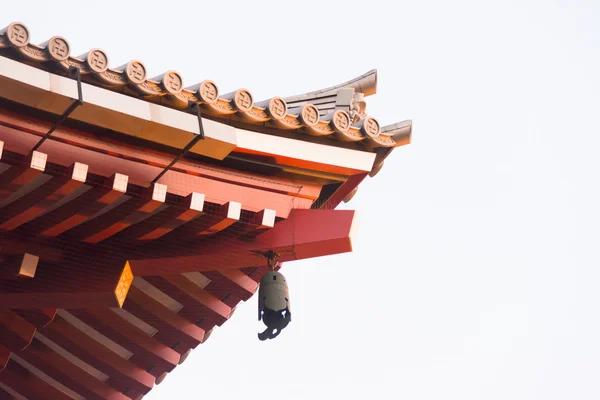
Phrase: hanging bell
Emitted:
{"points": [[273, 304]]}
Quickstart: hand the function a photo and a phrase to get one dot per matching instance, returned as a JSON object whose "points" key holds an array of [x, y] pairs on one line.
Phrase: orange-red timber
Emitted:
{"points": [[110, 277]]}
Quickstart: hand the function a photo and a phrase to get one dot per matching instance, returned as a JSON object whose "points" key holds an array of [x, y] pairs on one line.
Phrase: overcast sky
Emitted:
{"points": [[475, 273]]}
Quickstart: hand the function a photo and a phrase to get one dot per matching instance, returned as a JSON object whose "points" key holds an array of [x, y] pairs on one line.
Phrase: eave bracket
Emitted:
{"points": [[75, 73], [196, 108]]}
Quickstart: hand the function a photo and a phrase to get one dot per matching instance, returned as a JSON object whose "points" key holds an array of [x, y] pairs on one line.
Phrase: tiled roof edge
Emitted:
{"points": [[346, 123]]}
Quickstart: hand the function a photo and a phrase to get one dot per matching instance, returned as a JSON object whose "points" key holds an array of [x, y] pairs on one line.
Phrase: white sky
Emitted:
{"points": [[475, 272]]}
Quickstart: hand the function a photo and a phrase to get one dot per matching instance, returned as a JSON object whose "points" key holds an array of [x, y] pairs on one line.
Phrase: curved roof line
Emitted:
{"points": [[365, 83], [330, 112]]}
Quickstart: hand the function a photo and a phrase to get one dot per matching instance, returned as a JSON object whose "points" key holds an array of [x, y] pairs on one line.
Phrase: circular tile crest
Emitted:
{"points": [[97, 61], [172, 82], [208, 92], [135, 72], [58, 48], [243, 100], [341, 121], [309, 115], [371, 127], [18, 34], [277, 108]]}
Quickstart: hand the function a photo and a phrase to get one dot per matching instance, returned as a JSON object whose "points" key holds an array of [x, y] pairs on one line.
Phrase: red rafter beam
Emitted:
{"points": [[209, 223], [192, 311], [4, 357], [17, 176], [304, 234], [169, 219], [41, 199], [62, 286], [16, 333], [218, 310], [29, 384], [123, 374], [38, 318], [123, 216], [67, 373], [171, 327], [84, 207], [148, 353], [241, 280], [260, 222]]}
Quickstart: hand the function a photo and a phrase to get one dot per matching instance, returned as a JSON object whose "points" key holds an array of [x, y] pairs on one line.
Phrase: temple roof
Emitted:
{"points": [[338, 112]]}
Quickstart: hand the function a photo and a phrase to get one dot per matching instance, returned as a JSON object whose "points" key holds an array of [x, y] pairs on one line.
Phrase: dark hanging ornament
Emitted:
{"points": [[273, 302]]}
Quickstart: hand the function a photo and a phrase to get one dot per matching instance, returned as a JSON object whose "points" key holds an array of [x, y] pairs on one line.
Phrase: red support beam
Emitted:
{"points": [[38, 318], [259, 223], [18, 267], [219, 311], [192, 310], [17, 176], [101, 284], [64, 371], [103, 153], [28, 384], [123, 216], [43, 198], [304, 234], [171, 327], [170, 219], [84, 207], [240, 280], [212, 222], [343, 191], [225, 290], [8, 393], [4, 357], [148, 353], [16, 245], [16, 332], [123, 374]]}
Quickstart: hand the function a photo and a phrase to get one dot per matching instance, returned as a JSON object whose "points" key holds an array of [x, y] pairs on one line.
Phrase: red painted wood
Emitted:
{"points": [[193, 311], [258, 223], [38, 317], [164, 221], [241, 280], [84, 207], [4, 357], [164, 319], [123, 374], [218, 309], [20, 175], [65, 285], [41, 199], [225, 290], [121, 217], [22, 266], [27, 130], [148, 352], [4, 395], [13, 245], [343, 191], [28, 384], [219, 184], [16, 333], [67, 373], [213, 222], [294, 238]]}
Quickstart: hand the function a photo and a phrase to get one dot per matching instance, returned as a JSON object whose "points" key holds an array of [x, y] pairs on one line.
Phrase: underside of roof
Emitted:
{"points": [[338, 112], [122, 245]]}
